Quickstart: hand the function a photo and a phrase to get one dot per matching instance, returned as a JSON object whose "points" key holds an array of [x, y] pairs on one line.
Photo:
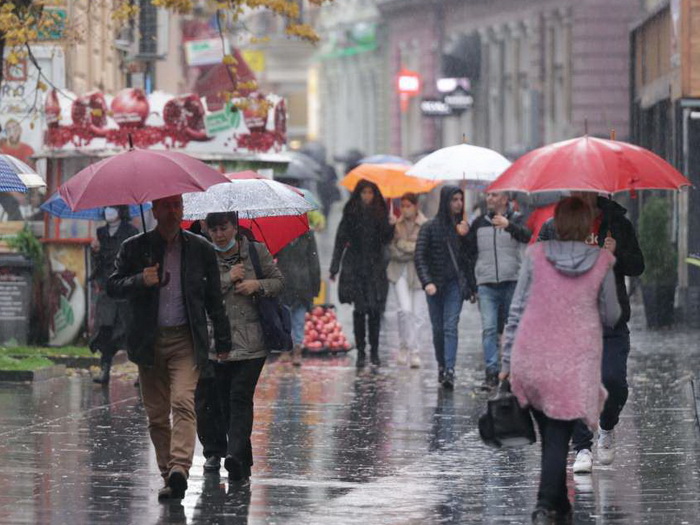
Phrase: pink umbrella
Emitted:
{"points": [[137, 176]]}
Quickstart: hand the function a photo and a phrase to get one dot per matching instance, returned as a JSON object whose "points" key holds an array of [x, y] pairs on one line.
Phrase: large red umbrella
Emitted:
{"points": [[137, 176], [589, 164]]}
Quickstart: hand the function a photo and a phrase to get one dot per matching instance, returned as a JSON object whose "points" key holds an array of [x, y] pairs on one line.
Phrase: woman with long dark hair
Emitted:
{"points": [[364, 231]]}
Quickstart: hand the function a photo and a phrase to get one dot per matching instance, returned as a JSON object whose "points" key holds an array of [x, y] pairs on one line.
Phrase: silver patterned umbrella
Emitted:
{"points": [[251, 198]]}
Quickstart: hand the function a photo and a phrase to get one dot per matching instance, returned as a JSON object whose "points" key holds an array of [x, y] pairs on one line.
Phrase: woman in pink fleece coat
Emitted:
{"points": [[565, 293]]}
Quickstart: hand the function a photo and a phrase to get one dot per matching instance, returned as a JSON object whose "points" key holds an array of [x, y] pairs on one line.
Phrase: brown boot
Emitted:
{"points": [[296, 355]]}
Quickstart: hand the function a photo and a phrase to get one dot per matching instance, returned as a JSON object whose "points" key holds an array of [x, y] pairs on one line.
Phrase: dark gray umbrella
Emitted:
{"points": [[302, 167]]}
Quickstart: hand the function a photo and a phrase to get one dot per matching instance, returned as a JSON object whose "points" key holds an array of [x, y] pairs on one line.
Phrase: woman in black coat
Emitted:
{"points": [[360, 242], [109, 313]]}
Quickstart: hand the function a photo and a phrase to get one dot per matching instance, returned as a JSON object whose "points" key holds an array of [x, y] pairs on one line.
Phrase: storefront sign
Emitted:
{"points": [[408, 83], [98, 121], [459, 100], [205, 52], [15, 298], [430, 107]]}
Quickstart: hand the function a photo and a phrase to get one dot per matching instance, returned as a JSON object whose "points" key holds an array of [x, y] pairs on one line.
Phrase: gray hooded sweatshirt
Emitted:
{"points": [[570, 258]]}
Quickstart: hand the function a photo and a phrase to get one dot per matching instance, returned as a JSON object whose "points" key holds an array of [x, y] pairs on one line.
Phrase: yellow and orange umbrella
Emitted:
{"points": [[391, 179]]}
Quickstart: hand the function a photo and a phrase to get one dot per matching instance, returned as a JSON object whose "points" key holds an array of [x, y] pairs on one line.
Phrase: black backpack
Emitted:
{"points": [[275, 318]]}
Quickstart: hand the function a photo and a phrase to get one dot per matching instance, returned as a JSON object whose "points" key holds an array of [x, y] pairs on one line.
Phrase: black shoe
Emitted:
{"points": [[374, 359], [490, 382], [212, 464], [103, 377], [177, 482], [449, 380], [236, 471], [441, 375], [361, 360]]}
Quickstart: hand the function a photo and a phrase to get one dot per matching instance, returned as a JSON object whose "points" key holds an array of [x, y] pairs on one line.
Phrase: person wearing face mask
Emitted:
{"points": [[403, 280], [109, 313], [444, 271], [237, 372], [365, 229]]}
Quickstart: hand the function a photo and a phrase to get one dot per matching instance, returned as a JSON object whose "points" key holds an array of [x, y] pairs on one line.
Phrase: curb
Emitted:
{"points": [[41, 374], [80, 362]]}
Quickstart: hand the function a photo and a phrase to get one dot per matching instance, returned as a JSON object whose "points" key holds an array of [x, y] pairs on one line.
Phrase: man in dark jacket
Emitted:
{"points": [[496, 241], [612, 231], [443, 269], [171, 280], [300, 266]]}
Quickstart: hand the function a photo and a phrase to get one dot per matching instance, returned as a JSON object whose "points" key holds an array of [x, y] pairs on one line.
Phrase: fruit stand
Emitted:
{"points": [[323, 332]]}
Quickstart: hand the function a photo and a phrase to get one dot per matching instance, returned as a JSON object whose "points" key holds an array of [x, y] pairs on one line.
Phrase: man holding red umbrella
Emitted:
{"points": [[171, 280], [614, 232]]}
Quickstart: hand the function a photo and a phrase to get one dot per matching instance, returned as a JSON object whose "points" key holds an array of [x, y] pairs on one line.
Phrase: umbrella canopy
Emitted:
{"points": [[56, 206], [302, 167], [590, 164], [251, 198], [137, 176], [15, 175], [476, 165], [385, 159], [277, 232], [391, 179]]}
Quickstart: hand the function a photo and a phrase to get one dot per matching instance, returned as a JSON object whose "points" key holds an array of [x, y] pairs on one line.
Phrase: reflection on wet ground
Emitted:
{"points": [[337, 446]]}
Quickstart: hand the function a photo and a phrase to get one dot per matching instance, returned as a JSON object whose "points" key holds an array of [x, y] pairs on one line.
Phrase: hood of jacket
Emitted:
{"points": [[609, 206], [571, 257], [444, 214]]}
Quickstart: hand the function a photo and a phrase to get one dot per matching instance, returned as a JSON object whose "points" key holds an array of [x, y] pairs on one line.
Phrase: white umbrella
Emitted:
{"points": [[251, 198], [476, 165]]}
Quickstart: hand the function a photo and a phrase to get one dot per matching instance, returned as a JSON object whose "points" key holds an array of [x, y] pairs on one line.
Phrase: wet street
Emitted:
{"points": [[336, 446]]}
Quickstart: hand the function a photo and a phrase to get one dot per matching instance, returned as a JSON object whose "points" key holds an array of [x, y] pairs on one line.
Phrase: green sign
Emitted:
{"points": [[222, 120]]}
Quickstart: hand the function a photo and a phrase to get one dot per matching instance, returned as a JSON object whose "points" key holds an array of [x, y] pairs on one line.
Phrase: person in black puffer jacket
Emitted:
{"points": [[444, 270], [360, 242], [614, 232]]}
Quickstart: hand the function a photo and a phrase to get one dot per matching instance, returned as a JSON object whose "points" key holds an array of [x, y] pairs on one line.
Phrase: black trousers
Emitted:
{"points": [[236, 382], [616, 350], [360, 321], [211, 429], [555, 435]]}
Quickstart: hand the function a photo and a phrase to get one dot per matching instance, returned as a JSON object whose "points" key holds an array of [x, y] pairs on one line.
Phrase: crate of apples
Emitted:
{"points": [[322, 331]]}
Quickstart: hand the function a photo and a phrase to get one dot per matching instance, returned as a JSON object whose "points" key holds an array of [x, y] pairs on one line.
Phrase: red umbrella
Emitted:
{"points": [[589, 164], [137, 176]]}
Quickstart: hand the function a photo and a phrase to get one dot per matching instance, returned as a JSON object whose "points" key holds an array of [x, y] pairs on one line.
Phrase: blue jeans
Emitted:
{"points": [[298, 321], [494, 303], [444, 308]]}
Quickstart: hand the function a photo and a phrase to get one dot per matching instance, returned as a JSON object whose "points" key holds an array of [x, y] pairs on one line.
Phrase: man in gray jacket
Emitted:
{"points": [[496, 241]]}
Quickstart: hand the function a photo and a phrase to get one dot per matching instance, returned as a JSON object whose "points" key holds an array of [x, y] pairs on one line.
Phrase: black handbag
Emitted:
{"points": [[275, 318], [505, 423]]}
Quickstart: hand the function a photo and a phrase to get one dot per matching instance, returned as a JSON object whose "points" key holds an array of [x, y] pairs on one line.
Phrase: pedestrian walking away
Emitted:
{"points": [[496, 241], [404, 284], [359, 256], [301, 268], [171, 280], [444, 270], [237, 372], [553, 347], [110, 314], [612, 230]]}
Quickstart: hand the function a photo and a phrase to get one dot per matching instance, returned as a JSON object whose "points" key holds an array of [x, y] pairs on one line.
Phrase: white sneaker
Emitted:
{"points": [[584, 462], [402, 358], [415, 361], [606, 446]]}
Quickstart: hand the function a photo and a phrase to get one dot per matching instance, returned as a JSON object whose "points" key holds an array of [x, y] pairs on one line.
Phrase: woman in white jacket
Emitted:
{"points": [[404, 284]]}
